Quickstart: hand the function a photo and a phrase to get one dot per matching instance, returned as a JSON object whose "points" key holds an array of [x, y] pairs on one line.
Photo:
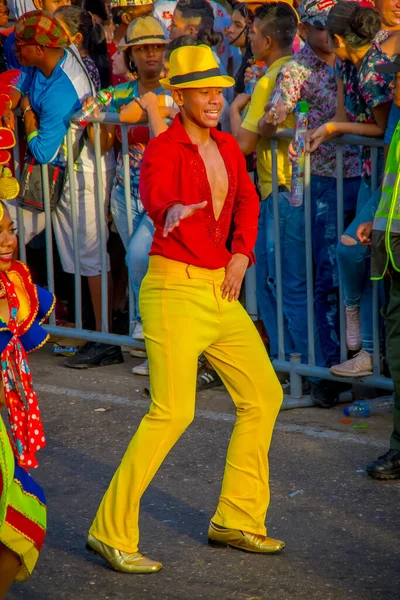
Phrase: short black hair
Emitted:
{"points": [[197, 9], [278, 20]]}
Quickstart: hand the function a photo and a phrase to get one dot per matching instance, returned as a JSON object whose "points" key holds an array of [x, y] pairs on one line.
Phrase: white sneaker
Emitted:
{"points": [[359, 366], [142, 369], [137, 353], [137, 332], [353, 328]]}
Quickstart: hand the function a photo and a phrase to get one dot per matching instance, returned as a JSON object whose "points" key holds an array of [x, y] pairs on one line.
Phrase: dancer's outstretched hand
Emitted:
{"points": [[177, 212], [235, 272]]}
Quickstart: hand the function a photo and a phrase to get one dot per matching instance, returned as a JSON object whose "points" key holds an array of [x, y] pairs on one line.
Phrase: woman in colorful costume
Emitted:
{"points": [[23, 309]]}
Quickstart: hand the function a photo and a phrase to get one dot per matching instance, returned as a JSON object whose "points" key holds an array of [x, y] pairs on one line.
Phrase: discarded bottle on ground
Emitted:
{"points": [[103, 99], [366, 408], [298, 168]]}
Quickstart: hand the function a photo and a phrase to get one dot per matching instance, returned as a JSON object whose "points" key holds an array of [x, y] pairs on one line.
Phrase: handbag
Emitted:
{"points": [[31, 183]]}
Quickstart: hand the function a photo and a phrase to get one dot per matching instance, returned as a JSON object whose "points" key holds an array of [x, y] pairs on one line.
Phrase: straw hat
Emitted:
{"points": [[194, 67], [143, 31]]}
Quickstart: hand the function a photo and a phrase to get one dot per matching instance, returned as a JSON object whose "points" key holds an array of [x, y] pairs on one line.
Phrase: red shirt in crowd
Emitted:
{"points": [[173, 172]]}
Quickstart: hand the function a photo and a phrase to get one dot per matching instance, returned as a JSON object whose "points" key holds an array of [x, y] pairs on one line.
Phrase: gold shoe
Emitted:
{"points": [[122, 561], [248, 542]]}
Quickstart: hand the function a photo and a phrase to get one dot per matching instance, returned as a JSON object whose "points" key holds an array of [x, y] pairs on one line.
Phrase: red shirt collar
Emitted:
{"points": [[178, 134]]}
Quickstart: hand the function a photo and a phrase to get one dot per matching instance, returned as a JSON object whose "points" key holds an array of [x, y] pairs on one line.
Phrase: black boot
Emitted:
{"points": [[386, 467]]}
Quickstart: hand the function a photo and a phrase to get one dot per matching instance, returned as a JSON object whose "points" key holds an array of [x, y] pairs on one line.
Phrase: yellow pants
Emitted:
{"points": [[183, 316]]}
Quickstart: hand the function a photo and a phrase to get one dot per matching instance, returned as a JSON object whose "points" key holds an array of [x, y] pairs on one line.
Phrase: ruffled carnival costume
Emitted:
{"points": [[22, 501]]}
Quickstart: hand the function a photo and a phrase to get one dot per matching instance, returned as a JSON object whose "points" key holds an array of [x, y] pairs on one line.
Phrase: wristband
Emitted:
{"points": [[29, 107]]}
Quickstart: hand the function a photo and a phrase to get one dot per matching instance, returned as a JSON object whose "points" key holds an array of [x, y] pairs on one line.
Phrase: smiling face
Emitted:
{"points": [[8, 240], [202, 106], [390, 13], [236, 32], [148, 59]]}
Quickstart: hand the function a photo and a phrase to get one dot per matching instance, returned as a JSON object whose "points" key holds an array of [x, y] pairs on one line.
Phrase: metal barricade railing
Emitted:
{"points": [[294, 367]]}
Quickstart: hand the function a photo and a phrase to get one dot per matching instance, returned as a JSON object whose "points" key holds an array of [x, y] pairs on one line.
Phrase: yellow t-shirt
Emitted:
{"points": [[259, 99]]}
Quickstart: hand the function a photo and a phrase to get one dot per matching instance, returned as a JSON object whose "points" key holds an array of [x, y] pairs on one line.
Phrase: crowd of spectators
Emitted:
{"points": [[326, 52]]}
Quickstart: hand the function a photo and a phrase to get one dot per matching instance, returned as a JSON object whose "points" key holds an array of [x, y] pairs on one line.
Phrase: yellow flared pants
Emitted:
{"points": [[183, 316]]}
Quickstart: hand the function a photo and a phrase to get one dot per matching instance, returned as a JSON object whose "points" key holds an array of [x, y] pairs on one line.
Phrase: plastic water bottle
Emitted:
{"points": [[297, 187], [366, 408], [258, 70], [103, 99], [274, 101]]}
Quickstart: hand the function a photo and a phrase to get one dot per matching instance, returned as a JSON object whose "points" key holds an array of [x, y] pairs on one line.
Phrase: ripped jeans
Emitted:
{"points": [[325, 237]]}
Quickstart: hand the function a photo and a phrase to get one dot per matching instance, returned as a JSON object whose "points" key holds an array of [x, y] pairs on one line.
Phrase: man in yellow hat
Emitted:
{"points": [[194, 185]]}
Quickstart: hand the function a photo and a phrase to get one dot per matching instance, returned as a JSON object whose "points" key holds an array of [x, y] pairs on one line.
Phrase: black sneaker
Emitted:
{"points": [[95, 354], [208, 378], [325, 393], [386, 467]]}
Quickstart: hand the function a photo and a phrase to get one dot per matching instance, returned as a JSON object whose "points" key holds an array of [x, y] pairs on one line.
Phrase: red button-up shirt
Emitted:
{"points": [[173, 172]]}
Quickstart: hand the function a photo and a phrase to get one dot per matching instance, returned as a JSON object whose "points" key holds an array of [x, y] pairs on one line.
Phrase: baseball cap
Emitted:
{"points": [[315, 12], [41, 28]]}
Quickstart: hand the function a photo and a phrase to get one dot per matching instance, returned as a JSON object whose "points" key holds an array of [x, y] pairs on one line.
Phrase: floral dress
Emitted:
{"points": [[364, 90]]}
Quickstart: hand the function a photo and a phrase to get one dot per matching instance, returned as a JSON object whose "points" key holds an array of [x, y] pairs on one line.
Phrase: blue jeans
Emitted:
{"points": [[354, 264], [138, 245], [294, 281], [324, 237]]}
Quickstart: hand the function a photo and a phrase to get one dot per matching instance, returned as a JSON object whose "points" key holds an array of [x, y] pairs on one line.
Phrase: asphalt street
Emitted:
{"points": [[341, 528]]}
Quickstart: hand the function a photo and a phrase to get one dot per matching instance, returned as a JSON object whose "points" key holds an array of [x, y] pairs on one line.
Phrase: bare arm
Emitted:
{"points": [[335, 128], [107, 136]]}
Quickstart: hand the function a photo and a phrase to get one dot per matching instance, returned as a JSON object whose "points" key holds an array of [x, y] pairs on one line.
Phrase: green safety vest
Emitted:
{"points": [[386, 229]]}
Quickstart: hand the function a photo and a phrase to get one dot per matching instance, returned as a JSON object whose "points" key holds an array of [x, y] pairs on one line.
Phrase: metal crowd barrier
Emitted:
{"points": [[294, 368]]}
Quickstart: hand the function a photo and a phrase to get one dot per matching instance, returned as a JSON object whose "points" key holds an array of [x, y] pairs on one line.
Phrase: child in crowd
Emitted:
{"points": [[23, 308], [89, 40], [311, 77], [271, 37], [364, 100]]}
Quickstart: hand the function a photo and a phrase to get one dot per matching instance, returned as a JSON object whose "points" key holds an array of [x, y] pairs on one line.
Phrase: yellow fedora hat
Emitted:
{"points": [[194, 67], [143, 31]]}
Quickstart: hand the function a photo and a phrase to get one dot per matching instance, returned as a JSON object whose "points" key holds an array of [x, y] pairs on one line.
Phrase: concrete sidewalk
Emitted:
{"points": [[340, 527]]}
